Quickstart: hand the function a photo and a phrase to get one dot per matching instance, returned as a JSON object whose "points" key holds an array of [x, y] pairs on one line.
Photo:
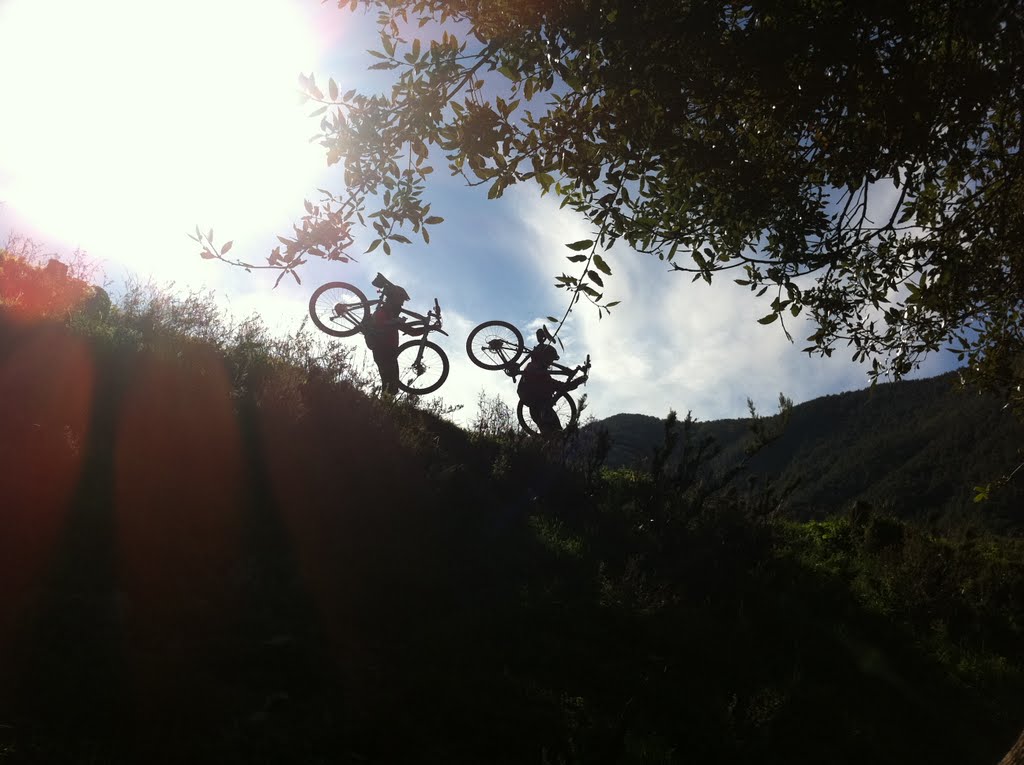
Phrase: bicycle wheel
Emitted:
{"points": [[565, 410], [425, 375], [494, 345], [339, 309]]}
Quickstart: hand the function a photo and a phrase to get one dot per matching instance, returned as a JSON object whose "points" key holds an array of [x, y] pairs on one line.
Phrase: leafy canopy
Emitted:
{"points": [[859, 161]]}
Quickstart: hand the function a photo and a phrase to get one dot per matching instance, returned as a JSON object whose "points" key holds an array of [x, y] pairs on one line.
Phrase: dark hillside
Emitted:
{"points": [[634, 437], [217, 548], [917, 447]]}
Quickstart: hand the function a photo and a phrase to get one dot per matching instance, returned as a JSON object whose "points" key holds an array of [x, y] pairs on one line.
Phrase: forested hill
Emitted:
{"points": [[221, 547], [915, 447]]}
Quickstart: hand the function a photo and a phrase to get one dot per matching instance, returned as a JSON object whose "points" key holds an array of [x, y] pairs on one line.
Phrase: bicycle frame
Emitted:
{"points": [[499, 346], [431, 322], [419, 326], [514, 370], [570, 372], [568, 411]]}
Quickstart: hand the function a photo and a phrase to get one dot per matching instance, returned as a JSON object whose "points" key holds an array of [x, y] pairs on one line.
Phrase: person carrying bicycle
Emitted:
{"points": [[538, 389], [381, 333]]}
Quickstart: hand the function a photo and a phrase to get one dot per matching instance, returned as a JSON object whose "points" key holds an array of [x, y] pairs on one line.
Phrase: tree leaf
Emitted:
{"points": [[582, 244]]}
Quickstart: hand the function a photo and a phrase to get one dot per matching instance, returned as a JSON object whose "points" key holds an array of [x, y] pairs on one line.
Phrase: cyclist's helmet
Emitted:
{"points": [[392, 292], [545, 354], [395, 294]]}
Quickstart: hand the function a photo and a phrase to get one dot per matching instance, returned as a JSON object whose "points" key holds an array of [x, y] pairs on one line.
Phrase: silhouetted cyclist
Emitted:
{"points": [[382, 332], [538, 389]]}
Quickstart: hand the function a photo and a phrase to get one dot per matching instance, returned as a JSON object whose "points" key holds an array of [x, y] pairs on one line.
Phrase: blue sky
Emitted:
{"points": [[128, 124]]}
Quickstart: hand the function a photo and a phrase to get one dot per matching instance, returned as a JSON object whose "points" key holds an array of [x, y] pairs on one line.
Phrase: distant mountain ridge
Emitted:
{"points": [[915, 446]]}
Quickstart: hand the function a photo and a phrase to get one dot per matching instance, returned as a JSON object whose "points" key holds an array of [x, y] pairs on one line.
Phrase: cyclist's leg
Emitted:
{"points": [[545, 419], [387, 366]]}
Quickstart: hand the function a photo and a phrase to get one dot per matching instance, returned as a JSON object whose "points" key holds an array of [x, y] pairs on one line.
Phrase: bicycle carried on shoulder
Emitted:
{"points": [[499, 346], [342, 310]]}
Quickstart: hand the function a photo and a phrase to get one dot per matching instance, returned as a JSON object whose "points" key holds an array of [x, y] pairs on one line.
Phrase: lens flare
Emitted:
{"points": [[128, 123]]}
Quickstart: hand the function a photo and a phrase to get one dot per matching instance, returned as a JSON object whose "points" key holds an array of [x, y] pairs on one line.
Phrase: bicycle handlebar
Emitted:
{"points": [[571, 373]]}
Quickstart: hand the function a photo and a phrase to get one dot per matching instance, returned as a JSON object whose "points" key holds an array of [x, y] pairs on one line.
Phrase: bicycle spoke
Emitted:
{"points": [[564, 409], [421, 373], [494, 345], [338, 309], [346, 316], [498, 351], [564, 412]]}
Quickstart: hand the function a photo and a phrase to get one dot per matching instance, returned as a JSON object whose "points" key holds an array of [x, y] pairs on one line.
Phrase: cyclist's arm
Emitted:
{"points": [[576, 383], [564, 386], [401, 324]]}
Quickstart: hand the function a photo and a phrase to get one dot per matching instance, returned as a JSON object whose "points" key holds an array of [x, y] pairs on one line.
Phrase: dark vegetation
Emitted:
{"points": [[915, 448], [215, 546]]}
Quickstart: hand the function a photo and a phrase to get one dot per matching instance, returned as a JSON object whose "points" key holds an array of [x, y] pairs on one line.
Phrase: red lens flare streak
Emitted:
{"points": [[178, 497], [46, 390]]}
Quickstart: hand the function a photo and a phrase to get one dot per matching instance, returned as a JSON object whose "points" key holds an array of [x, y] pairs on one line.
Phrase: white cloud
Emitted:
{"points": [[677, 344]]}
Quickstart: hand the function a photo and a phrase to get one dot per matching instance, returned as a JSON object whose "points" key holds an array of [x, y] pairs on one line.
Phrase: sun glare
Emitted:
{"points": [[128, 123]]}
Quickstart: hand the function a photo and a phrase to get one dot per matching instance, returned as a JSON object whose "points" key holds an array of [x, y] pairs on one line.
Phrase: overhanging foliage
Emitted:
{"points": [[857, 161]]}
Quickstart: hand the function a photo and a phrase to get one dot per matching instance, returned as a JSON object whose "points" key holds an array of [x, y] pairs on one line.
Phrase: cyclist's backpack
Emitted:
{"points": [[379, 332], [370, 333], [536, 388]]}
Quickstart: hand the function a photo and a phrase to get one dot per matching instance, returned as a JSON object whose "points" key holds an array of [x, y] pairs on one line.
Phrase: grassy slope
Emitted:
{"points": [[207, 555]]}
